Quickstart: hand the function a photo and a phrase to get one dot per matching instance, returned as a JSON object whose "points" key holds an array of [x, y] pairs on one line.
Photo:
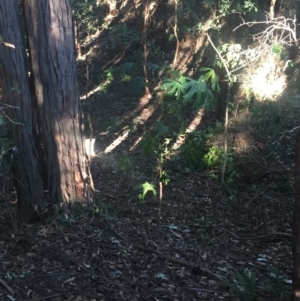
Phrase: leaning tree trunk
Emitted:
{"points": [[17, 105], [52, 56], [296, 225]]}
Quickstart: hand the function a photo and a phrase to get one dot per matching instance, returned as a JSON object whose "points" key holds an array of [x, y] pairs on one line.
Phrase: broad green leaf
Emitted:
{"points": [[125, 68], [136, 86], [153, 67], [145, 187]]}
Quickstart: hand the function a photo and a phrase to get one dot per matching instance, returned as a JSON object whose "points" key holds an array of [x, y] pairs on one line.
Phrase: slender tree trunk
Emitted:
{"points": [[222, 97], [272, 8], [296, 225], [51, 48], [16, 94]]}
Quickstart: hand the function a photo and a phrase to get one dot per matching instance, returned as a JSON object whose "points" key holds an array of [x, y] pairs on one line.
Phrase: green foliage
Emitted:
{"points": [[122, 35], [136, 86], [231, 54], [249, 6], [100, 210], [197, 153], [197, 91], [228, 7], [277, 285], [280, 50], [130, 73], [162, 151], [164, 178], [174, 87], [193, 150], [154, 69], [266, 116], [213, 157], [277, 48], [150, 144], [173, 108], [126, 68], [189, 90], [211, 77], [63, 220], [87, 14], [145, 188], [161, 129], [106, 79], [225, 7], [244, 285]]}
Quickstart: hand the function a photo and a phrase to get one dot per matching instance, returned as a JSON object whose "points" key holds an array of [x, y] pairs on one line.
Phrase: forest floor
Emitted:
{"points": [[123, 249], [190, 246]]}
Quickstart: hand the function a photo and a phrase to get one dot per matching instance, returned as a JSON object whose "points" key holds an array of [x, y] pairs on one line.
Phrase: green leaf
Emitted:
{"points": [[136, 86], [153, 67], [198, 91], [150, 144], [145, 187], [162, 129], [173, 87], [277, 48], [211, 77], [161, 276], [125, 68], [164, 178]]}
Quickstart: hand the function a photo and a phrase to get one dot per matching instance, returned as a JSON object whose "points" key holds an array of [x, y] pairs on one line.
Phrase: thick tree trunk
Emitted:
{"points": [[16, 94], [296, 225], [51, 47]]}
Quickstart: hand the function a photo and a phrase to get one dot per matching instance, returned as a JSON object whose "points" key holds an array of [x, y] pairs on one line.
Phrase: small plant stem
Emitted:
{"points": [[272, 8], [226, 138], [220, 56], [175, 34], [160, 196], [160, 203], [89, 107], [145, 52], [226, 110]]}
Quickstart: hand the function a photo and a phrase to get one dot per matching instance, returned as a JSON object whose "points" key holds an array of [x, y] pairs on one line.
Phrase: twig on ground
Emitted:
{"points": [[10, 290], [44, 298]]}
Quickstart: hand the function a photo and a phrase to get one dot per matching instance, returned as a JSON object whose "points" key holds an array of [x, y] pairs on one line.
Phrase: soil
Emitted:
{"points": [[189, 246]]}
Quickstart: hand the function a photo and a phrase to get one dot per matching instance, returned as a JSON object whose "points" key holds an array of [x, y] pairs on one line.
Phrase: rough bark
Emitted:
{"points": [[16, 94], [296, 225], [51, 47]]}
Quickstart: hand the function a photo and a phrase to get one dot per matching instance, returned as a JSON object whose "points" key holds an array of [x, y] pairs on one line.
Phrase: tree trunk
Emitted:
{"points": [[222, 96], [45, 114], [51, 47], [272, 8], [296, 225], [16, 94]]}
